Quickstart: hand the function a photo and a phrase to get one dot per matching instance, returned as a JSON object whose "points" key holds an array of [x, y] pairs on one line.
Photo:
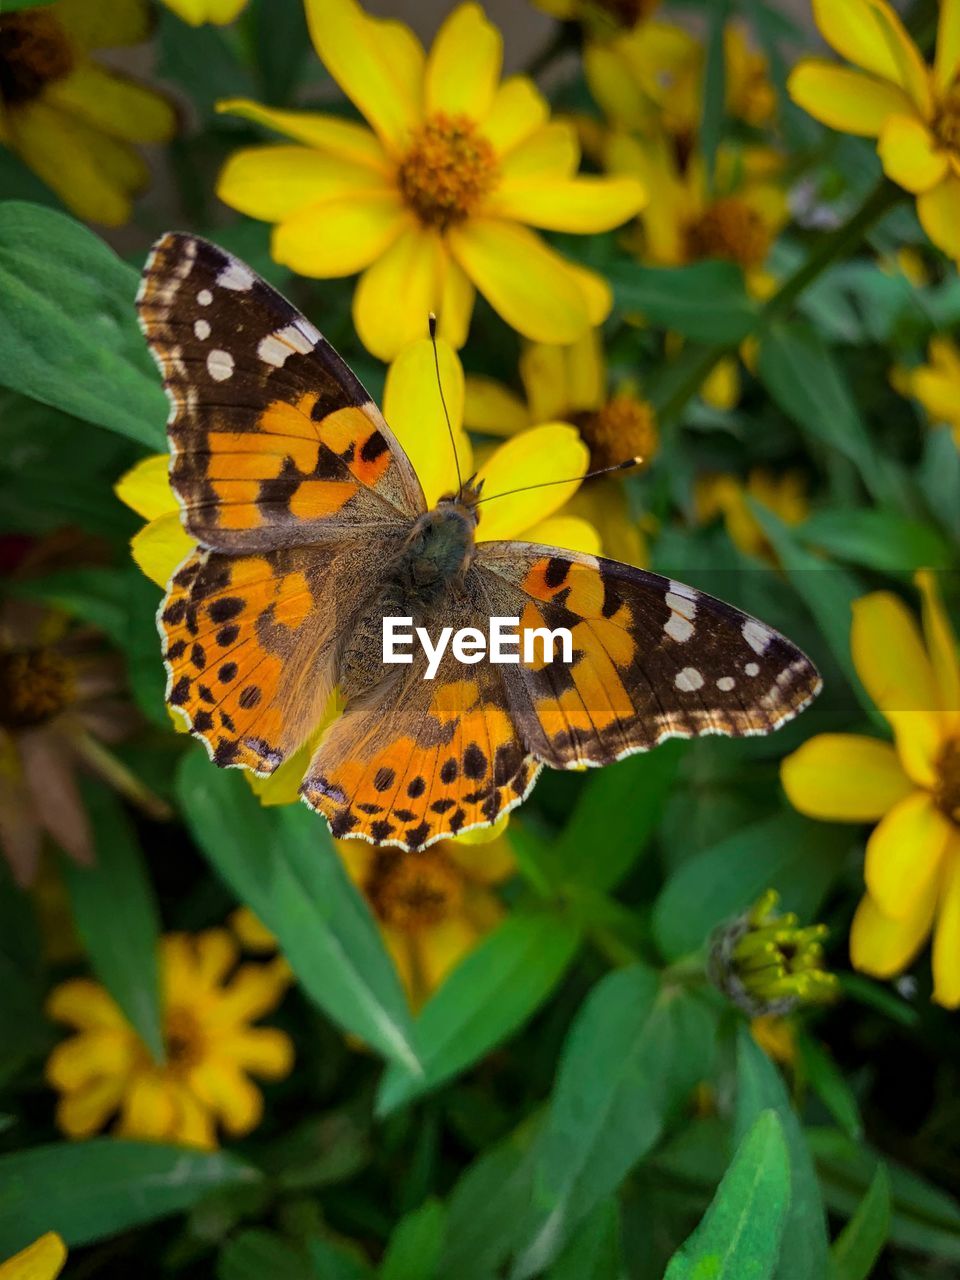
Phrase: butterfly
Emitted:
{"points": [[312, 528]]}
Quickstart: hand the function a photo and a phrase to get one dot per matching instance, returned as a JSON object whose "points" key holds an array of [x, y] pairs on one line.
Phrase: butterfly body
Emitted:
{"points": [[311, 528]]}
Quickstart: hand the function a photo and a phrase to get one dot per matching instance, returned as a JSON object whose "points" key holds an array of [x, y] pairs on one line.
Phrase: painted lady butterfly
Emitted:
{"points": [[312, 527]]}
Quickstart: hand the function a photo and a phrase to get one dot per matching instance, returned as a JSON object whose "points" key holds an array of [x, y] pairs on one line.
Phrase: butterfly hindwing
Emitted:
{"points": [[275, 442], [652, 658]]}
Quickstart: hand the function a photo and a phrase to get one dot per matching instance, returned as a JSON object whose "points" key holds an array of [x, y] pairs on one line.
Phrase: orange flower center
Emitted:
{"points": [[447, 170], [946, 124], [415, 890], [947, 794], [183, 1039], [625, 427], [35, 686], [729, 229], [33, 51]]}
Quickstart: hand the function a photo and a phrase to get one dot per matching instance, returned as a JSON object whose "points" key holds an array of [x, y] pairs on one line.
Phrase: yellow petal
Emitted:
{"points": [[526, 282], [193, 1123], [492, 408], [254, 990], [843, 99], [105, 26], [552, 151], [910, 155], [252, 932], [215, 952], [586, 372], [81, 1003], [77, 1061], [442, 947], [488, 861], [905, 854], [342, 139], [937, 392], [594, 289], [149, 1108], [572, 533], [161, 546], [946, 935], [455, 306], [721, 387], [339, 236], [603, 503], [273, 182], [870, 35], [843, 777], [616, 90], [463, 67], [939, 213], [414, 410], [224, 1089], [42, 1260], [83, 1112], [518, 110], [377, 63], [543, 371], [884, 947], [947, 62], [197, 12], [110, 102], [569, 204], [394, 297], [146, 487], [263, 1051], [550, 452], [891, 661], [940, 640]]}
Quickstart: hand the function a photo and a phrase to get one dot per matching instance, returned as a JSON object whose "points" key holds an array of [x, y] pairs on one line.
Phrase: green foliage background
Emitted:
{"points": [[537, 1117]]}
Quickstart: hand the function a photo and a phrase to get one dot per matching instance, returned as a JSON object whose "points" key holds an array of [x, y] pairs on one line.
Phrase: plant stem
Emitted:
{"points": [[698, 362]]}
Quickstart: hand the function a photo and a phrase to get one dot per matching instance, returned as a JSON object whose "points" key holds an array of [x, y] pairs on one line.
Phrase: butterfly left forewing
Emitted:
{"points": [[652, 658]]}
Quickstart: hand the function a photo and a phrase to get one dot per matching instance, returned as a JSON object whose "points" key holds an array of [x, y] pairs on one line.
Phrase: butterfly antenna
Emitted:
{"points": [[591, 475], [432, 322]]}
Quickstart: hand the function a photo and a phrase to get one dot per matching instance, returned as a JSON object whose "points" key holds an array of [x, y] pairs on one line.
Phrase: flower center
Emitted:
{"points": [[948, 781], [33, 51], [946, 124], [35, 686], [624, 428], [729, 229], [183, 1038], [448, 168], [415, 890]]}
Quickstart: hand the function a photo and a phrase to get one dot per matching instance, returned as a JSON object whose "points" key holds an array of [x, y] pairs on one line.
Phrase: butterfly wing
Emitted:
{"points": [[275, 443], [652, 658]]}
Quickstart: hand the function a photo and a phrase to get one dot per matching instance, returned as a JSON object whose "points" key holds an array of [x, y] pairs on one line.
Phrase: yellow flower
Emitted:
{"points": [[911, 109], [600, 17], [42, 1260], [650, 79], [436, 199], [570, 383], [775, 1036], [936, 384], [911, 789], [433, 906], [724, 495], [71, 120], [197, 12], [211, 1048]]}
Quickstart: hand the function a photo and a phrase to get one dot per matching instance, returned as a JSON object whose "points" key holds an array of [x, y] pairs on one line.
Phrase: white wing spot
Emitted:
{"points": [[294, 339], [681, 589], [219, 365], [204, 297], [236, 276], [678, 627], [756, 635], [752, 669], [686, 606], [689, 680], [726, 683], [201, 329]]}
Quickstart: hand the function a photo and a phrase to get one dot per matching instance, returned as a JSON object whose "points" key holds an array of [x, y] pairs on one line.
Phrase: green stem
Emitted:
{"points": [[697, 363]]}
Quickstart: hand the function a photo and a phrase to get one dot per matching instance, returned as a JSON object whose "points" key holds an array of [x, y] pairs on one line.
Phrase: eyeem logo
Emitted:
{"points": [[469, 645]]}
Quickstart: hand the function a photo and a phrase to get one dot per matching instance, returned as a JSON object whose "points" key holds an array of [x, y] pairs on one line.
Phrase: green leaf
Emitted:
{"points": [[499, 985], [282, 862], [706, 302], [878, 540], [633, 1054], [594, 1253], [804, 1254], [713, 111], [70, 330], [89, 1190], [829, 1084], [332, 1262], [117, 918], [257, 1253], [859, 1244], [739, 1237], [786, 852], [414, 1249]]}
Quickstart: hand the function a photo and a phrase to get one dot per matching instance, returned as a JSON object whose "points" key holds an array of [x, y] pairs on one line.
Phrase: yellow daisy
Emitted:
{"points": [[42, 1260], [910, 788], [936, 384], [720, 494], [434, 906], [71, 120], [197, 12], [436, 198], [211, 1048], [571, 384], [911, 109]]}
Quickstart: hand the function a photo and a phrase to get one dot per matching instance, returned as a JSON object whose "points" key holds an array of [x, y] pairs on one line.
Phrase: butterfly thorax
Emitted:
{"points": [[437, 552]]}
